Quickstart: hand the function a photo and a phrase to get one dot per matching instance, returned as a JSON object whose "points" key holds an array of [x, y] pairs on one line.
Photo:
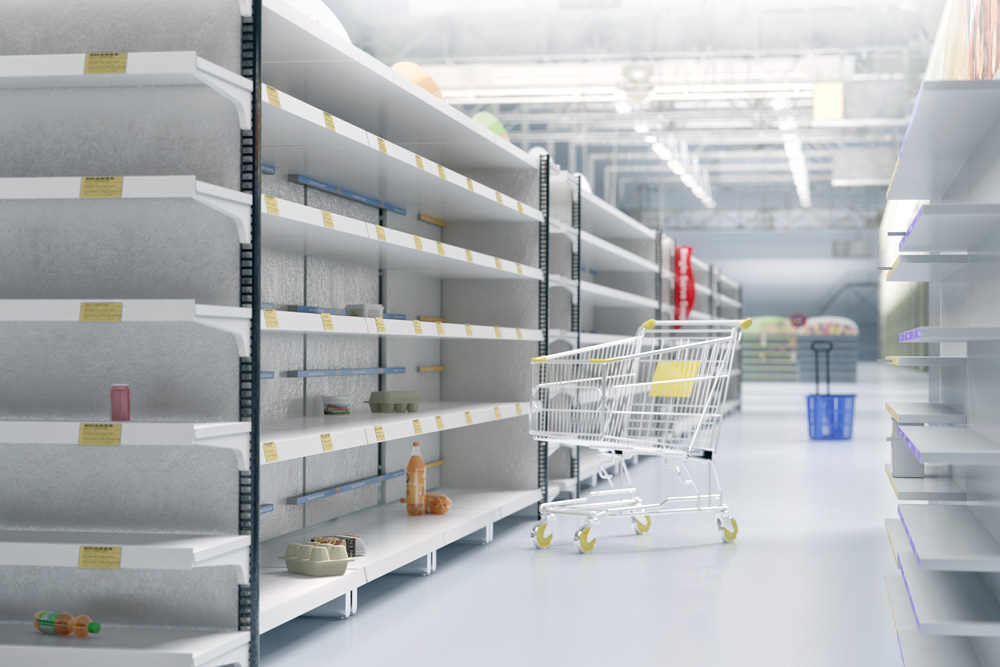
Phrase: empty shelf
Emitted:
{"points": [[604, 220], [924, 268], [949, 537], [949, 334], [955, 445], [926, 361], [924, 413], [958, 604], [600, 255], [950, 227], [898, 542], [925, 488]]}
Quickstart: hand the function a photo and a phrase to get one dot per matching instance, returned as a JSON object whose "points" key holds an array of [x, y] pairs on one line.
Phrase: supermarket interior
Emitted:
{"points": [[477, 330]]}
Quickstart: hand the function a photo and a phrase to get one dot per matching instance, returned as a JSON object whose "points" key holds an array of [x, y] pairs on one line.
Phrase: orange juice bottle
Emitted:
{"points": [[416, 483], [56, 623]]}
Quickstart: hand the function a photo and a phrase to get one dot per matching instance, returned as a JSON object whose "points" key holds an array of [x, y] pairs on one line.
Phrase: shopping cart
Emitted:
{"points": [[831, 416], [659, 393]]}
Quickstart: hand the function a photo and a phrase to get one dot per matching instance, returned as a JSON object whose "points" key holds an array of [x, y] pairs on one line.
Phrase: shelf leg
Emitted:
{"points": [[481, 536], [341, 608], [421, 567]]}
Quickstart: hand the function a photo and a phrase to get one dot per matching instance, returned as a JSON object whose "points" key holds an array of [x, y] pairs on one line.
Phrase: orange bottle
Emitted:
{"points": [[416, 483], [56, 623]]}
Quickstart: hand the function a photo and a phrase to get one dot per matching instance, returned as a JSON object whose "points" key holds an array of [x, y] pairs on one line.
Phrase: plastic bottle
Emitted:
{"points": [[61, 623], [416, 483]]}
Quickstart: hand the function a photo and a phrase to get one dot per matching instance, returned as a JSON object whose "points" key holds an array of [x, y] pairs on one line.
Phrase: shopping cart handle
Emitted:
{"points": [[821, 345]]}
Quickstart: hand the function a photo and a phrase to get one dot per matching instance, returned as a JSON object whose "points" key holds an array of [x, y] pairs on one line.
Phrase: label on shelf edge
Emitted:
{"points": [[420, 162], [418, 242], [270, 452], [379, 433], [520, 208], [418, 328], [440, 247], [499, 198], [101, 187], [520, 271], [328, 220], [468, 254], [441, 172], [519, 333], [271, 205], [380, 232], [499, 264], [497, 331], [380, 325], [101, 312], [105, 63], [417, 429], [468, 418], [100, 435], [439, 421], [468, 329], [468, 182], [100, 558], [517, 406], [271, 318], [496, 413], [381, 146], [328, 120], [272, 96], [440, 328], [327, 321], [326, 441]]}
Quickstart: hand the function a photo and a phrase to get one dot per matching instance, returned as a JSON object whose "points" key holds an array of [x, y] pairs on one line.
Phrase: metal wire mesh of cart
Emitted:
{"points": [[660, 390]]}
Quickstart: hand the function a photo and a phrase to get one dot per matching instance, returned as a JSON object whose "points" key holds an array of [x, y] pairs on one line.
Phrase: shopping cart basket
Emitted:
{"points": [[659, 393], [831, 416]]}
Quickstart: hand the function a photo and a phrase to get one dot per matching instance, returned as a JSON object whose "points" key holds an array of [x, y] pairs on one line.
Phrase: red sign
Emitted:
{"points": [[798, 320], [684, 292]]}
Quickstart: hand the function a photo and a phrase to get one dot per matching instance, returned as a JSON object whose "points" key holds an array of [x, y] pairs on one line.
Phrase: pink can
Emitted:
{"points": [[121, 407]]}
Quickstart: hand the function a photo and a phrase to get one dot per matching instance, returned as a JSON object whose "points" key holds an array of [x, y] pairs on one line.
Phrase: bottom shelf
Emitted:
{"points": [[920, 650], [392, 539], [925, 488], [21, 644]]}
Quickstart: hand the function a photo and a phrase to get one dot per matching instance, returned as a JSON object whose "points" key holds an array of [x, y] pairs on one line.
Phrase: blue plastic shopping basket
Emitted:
{"points": [[831, 416]]}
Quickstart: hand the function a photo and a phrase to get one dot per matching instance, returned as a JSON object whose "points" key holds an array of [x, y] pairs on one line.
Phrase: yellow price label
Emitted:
{"points": [[439, 421], [101, 187], [418, 242], [468, 254], [327, 321], [270, 452], [272, 97], [468, 417], [326, 441], [328, 120], [417, 428], [381, 146], [440, 328], [520, 271], [100, 558], [519, 334], [271, 205], [440, 248], [328, 220], [496, 413], [496, 330], [420, 162], [105, 63], [100, 435], [468, 182], [380, 325], [441, 171], [418, 328], [271, 318], [380, 433], [468, 329], [380, 232], [498, 263], [499, 198], [520, 209], [101, 312], [517, 406]]}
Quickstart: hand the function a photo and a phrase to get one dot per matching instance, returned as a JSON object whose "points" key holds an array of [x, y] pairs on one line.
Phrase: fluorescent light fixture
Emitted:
{"points": [[623, 107], [688, 180], [676, 167], [650, 138], [641, 128], [662, 152], [780, 103]]}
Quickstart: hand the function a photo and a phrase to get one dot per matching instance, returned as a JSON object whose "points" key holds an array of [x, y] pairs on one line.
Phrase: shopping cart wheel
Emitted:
{"points": [[727, 534], [583, 542], [538, 536], [640, 527]]}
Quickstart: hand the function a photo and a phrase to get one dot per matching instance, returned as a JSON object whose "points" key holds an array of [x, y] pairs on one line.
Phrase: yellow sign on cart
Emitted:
{"points": [[672, 379]]}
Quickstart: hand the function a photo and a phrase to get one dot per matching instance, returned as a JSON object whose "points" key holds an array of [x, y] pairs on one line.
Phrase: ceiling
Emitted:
{"points": [[778, 114]]}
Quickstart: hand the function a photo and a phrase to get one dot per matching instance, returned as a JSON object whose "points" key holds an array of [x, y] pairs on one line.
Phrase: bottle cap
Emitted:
{"points": [[94, 628], [416, 444]]}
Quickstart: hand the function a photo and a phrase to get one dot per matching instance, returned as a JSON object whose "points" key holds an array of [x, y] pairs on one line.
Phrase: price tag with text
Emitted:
{"points": [[517, 406], [420, 162], [326, 441], [101, 312], [468, 330], [328, 119], [418, 328], [101, 187], [468, 418], [100, 558], [496, 330], [271, 205], [100, 435], [380, 325], [381, 146], [327, 321], [105, 63], [272, 97], [417, 429], [270, 452], [380, 232], [380, 433], [271, 318], [328, 219], [439, 421], [440, 328], [496, 413], [418, 242]]}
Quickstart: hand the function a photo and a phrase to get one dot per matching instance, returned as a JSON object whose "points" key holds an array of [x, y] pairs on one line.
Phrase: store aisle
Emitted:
{"points": [[802, 585]]}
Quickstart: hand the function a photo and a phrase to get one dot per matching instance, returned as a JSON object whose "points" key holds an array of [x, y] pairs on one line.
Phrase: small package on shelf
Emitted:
{"points": [[353, 543], [390, 401], [370, 310], [336, 405], [316, 560], [434, 503], [64, 624]]}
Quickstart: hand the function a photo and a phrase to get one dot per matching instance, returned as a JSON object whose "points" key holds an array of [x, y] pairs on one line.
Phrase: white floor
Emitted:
{"points": [[801, 586]]}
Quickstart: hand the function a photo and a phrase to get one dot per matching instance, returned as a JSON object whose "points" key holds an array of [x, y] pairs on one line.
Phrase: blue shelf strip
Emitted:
{"points": [[318, 309], [301, 500], [266, 509], [393, 316], [267, 375], [267, 168], [337, 372], [333, 189]]}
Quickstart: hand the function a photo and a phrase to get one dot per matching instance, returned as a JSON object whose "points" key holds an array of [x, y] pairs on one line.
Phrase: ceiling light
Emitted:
{"points": [[650, 138], [688, 180], [662, 151], [623, 107], [780, 103], [641, 128], [676, 167]]}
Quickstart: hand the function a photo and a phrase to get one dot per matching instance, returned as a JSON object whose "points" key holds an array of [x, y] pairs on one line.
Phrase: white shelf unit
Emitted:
{"points": [[923, 413], [949, 538], [923, 268], [898, 542], [950, 445], [125, 222], [951, 604], [926, 488], [950, 227], [377, 192]]}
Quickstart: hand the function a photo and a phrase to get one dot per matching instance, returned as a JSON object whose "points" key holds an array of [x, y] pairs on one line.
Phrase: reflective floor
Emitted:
{"points": [[802, 585]]}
